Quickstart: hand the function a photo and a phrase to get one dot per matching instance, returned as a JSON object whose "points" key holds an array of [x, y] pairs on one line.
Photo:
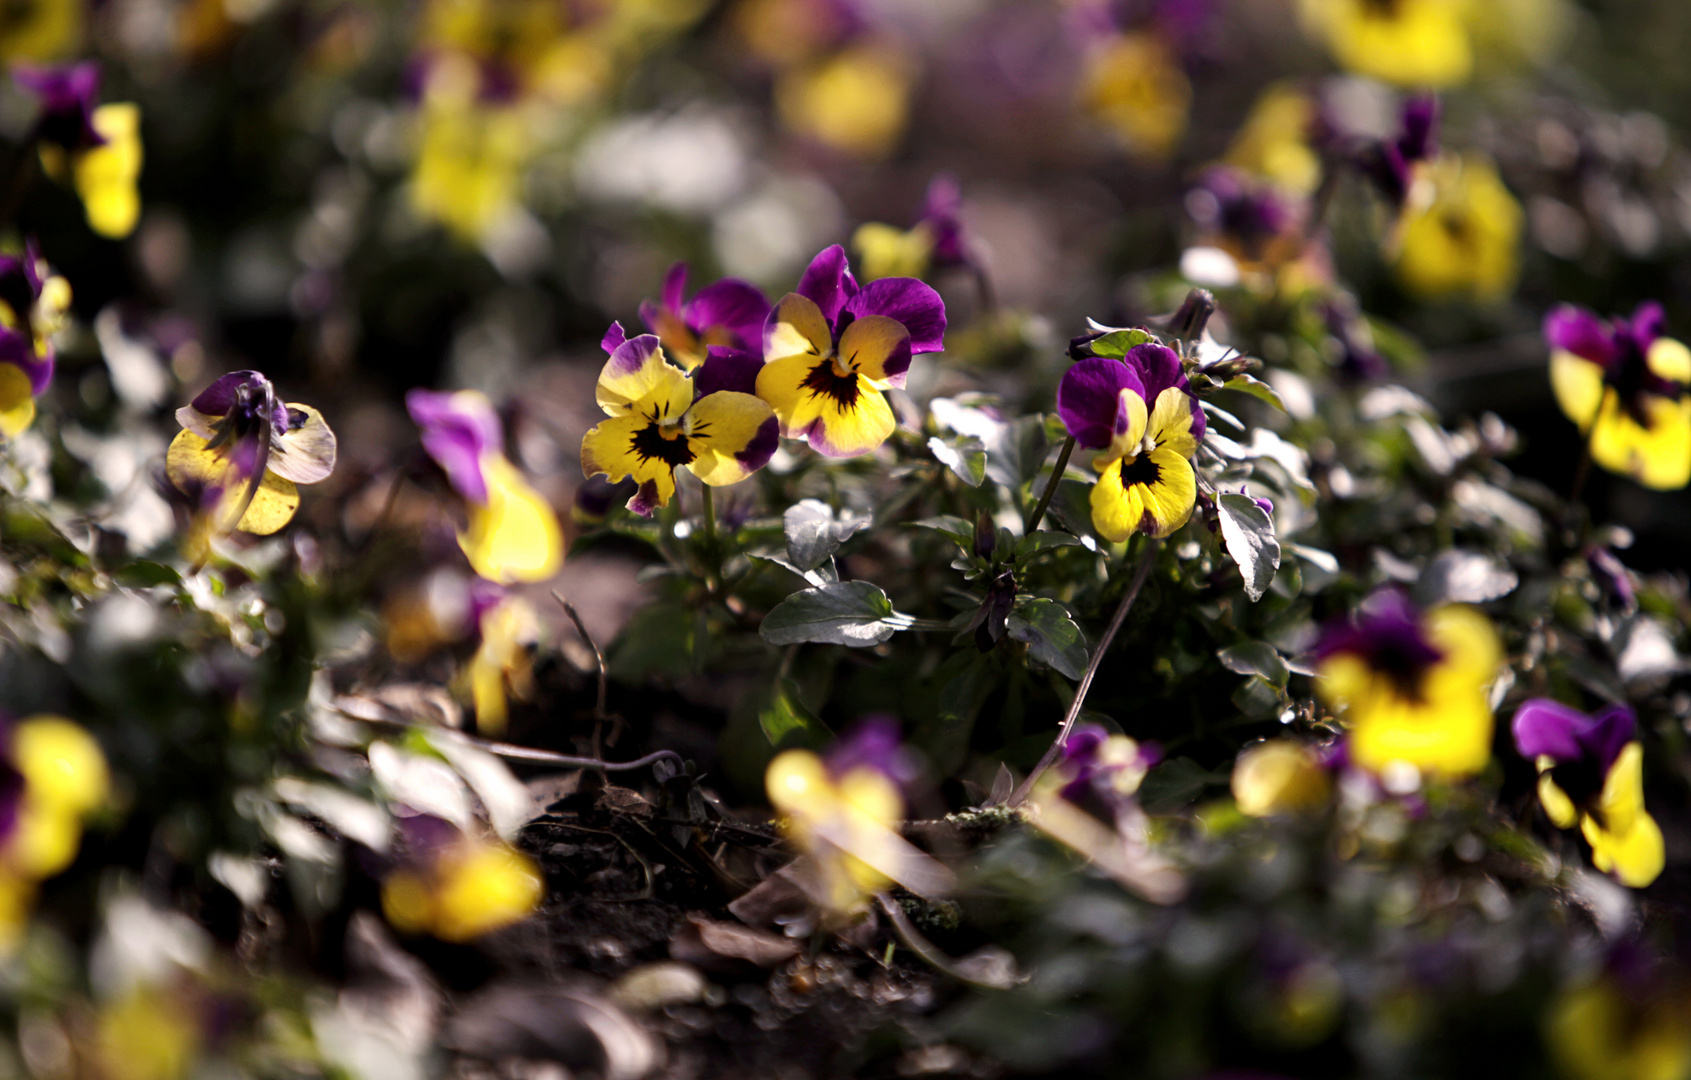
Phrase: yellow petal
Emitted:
{"points": [[638, 378], [1658, 455], [1557, 806], [857, 100], [878, 348], [61, 764], [1412, 43], [515, 536], [106, 175], [1134, 84], [17, 403], [486, 888], [273, 505], [1578, 385], [885, 251], [733, 435], [1128, 441], [624, 446], [1279, 776], [1625, 840], [797, 327], [1170, 423], [1153, 493], [1670, 359]]}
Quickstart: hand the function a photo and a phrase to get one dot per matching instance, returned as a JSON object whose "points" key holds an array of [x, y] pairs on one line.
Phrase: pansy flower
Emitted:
{"points": [[507, 627], [1591, 771], [1412, 685], [1140, 414], [844, 811], [832, 349], [513, 534], [1624, 385], [1461, 230], [33, 306], [458, 887], [1280, 776], [661, 420], [1404, 42], [53, 775], [1100, 771], [1134, 83], [729, 312], [95, 147], [935, 242], [241, 451], [1390, 163], [1276, 141]]}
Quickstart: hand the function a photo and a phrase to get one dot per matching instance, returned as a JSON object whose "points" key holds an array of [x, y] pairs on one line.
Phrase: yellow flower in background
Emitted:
{"points": [[847, 822], [1625, 386], [1135, 85], [106, 175], [501, 661], [888, 251], [41, 30], [1411, 43], [148, 1034], [471, 153], [461, 888], [1412, 686], [1274, 142], [1280, 776], [62, 777], [1600, 1031], [1461, 231], [856, 101]]}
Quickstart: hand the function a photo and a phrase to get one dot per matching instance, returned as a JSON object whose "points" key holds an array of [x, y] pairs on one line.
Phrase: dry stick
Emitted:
{"points": [[1144, 571], [598, 660], [1050, 487]]}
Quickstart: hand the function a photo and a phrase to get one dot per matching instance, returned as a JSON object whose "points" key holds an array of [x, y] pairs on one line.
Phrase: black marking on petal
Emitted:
{"points": [[823, 380], [1140, 470], [649, 442], [296, 419]]}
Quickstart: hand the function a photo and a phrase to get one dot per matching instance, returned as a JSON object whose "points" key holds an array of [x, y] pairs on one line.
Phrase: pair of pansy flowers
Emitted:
{"points": [[828, 353]]}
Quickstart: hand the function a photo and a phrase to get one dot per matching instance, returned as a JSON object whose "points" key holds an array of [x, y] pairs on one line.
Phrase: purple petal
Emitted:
{"points": [[1578, 331], [827, 282], [1386, 632], [734, 305], [726, 369], [941, 211], [1158, 368], [614, 337], [1648, 323], [1419, 140], [1611, 729], [675, 286], [874, 742], [631, 355], [645, 501], [457, 432], [18, 349], [911, 302], [225, 393], [1089, 397], [1542, 726], [756, 454]]}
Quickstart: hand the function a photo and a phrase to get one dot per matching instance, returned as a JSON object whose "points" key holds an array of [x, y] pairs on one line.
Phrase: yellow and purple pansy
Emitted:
{"points": [[33, 305], [97, 147], [1140, 414], [513, 534], [1100, 771], [1624, 385], [241, 452], [729, 313], [832, 349], [456, 886], [1412, 685], [935, 242], [1591, 771], [660, 420]]}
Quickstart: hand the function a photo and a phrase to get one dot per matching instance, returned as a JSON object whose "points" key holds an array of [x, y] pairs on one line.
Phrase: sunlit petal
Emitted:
{"points": [[515, 536], [636, 371], [305, 453], [1578, 385], [733, 436], [877, 348], [840, 415], [796, 326], [17, 403]]}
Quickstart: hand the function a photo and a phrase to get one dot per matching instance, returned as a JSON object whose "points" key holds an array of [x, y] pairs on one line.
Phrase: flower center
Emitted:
{"points": [[828, 379], [1139, 470], [666, 442]]}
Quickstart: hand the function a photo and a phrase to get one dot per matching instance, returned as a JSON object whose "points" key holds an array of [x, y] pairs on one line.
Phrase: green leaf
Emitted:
{"points": [[964, 455], [1043, 540], [1072, 506], [1051, 635], [1175, 783], [786, 723], [1255, 658], [1115, 344], [814, 533], [1256, 698], [1248, 534], [658, 640], [854, 613], [1250, 384], [143, 574], [954, 527], [822, 574], [1017, 453]]}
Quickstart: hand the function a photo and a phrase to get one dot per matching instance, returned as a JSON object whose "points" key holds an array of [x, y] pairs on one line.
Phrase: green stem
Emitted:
{"points": [[713, 553], [1146, 560], [1050, 487]]}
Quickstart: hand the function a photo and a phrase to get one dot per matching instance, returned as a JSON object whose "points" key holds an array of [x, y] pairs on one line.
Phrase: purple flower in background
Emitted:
{"points": [[1387, 634], [875, 742], [1611, 577], [1358, 358], [1102, 771], [728, 312], [1390, 162], [68, 97], [1239, 214], [458, 431]]}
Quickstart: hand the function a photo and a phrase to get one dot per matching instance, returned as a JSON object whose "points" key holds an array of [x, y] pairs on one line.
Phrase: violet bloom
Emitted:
{"points": [[239, 441], [1591, 771], [1358, 358], [875, 742], [33, 306], [729, 312], [1103, 771], [833, 349], [1625, 384], [68, 97], [1243, 216], [1139, 413]]}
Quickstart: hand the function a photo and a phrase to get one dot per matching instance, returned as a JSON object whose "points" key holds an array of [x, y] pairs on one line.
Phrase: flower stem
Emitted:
{"points": [[1050, 487], [712, 553], [1584, 468], [1147, 559]]}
